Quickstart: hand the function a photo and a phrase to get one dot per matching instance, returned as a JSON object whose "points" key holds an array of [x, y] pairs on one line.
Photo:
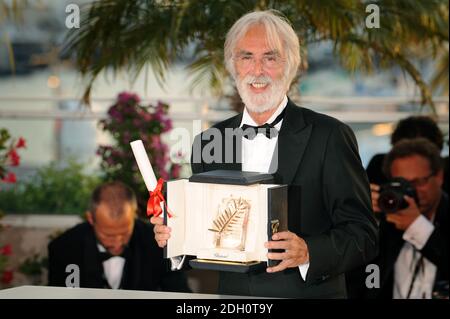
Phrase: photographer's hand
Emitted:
{"points": [[402, 219], [375, 194]]}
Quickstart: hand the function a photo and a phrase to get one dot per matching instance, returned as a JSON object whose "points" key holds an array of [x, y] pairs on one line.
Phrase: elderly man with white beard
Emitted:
{"points": [[330, 220]]}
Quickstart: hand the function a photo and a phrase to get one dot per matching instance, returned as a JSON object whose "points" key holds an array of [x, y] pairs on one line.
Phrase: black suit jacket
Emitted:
{"points": [[435, 250], [145, 268], [328, 203]]}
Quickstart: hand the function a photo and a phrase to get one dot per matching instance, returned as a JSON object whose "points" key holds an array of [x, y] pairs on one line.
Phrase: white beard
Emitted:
{"points": [[261, 102]]}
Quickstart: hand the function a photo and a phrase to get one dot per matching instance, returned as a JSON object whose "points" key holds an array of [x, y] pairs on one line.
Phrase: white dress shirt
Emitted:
{"points": [[416, 237], [113, 269], [257, 153]]}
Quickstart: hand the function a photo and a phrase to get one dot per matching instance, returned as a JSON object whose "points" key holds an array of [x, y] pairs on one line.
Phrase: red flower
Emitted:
{"points": [[7, 277], [21, 143], [10, 178], [6, 250], [14, 157]]}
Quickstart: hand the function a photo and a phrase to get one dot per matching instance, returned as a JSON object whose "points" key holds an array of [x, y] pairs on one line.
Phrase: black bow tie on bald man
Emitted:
{"points": [[105, 255], [269, 130]]}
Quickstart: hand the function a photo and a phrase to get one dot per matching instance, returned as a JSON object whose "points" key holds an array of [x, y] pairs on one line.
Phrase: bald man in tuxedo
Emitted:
{"points": [[113, 249]]}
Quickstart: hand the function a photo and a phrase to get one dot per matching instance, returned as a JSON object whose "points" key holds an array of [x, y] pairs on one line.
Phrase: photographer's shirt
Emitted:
{"points": [[421, 285]]}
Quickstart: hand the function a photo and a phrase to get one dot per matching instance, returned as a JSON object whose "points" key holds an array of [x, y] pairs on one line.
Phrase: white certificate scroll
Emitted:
{"points": [[144, 164]]}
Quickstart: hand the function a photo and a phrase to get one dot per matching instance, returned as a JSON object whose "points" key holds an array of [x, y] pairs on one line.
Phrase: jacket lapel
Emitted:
{"points": [[235, 143], [92, 266], [292, 141], [131, 271]]}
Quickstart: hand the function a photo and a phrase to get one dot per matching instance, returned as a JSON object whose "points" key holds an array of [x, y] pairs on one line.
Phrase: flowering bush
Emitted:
{"points": [[8, 157], [6, 274], [129, 120]]}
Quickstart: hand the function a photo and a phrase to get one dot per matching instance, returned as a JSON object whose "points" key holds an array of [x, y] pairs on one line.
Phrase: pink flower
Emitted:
{"points": [[126, 97], [115, 114], [155, 141], [162, 107], [158, 116], [147, 116]]}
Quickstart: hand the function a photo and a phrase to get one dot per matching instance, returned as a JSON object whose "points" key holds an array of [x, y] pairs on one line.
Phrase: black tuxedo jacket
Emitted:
{"points": [[145, 268], [435, 250], [329, 203]]}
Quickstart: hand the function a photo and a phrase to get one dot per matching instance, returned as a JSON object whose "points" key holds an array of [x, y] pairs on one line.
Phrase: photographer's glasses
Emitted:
{"points": [[421, 181]]}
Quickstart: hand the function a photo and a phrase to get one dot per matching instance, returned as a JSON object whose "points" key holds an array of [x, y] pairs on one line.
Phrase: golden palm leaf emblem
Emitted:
{"points": [[231, 223]]}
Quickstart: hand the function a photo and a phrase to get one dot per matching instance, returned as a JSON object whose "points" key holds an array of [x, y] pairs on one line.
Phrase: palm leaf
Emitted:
{"points": [[231, 217], [440, 77], [133, 35]]}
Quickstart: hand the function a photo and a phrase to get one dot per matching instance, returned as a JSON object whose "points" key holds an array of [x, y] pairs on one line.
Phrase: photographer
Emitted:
{"points": [[414, 237], [409, 128]]}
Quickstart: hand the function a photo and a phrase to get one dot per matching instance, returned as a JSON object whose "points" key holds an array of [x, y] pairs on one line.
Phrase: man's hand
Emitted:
{"points": [[402, 219], [162, 232], [296, 251], [375, 194]]}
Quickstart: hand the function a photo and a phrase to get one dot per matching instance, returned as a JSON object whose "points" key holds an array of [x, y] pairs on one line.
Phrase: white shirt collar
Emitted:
{"points": [[247, 119], [112, 268]]}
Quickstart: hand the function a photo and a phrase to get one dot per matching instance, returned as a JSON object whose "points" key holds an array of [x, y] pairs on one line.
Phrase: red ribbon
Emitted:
{"points": [[154, 202]]}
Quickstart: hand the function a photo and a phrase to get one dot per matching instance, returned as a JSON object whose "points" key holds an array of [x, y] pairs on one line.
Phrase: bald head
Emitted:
{"points": [[112, 213], [113, 196]]}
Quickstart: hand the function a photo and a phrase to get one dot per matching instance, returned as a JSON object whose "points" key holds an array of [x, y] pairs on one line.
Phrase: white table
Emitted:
{"points": [[44, 292]]}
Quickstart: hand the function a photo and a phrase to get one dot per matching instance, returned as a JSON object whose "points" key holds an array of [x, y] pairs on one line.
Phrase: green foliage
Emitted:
{"points": [[33, 265], [54, 190]]}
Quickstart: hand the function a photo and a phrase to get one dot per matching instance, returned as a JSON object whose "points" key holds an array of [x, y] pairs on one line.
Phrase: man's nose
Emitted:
{"points": [[258, 66]]}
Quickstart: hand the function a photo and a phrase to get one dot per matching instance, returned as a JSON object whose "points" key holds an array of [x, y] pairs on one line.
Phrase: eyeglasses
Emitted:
{"points": [[421, 181], [268, 61]]}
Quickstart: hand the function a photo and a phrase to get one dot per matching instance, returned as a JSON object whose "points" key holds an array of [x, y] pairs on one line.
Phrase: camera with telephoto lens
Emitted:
{"points": [[392, 195]]}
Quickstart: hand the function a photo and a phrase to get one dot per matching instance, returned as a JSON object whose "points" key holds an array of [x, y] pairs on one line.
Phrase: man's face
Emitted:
{"points": [[113, 233], [260, 71], [416, 169]]}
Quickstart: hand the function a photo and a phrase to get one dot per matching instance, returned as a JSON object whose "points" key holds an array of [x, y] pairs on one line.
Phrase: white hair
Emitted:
{"points": [[280, 36]]}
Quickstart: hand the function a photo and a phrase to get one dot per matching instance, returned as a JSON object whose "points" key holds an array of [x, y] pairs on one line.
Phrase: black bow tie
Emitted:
{"points": [[269, 130], [105, 255]]}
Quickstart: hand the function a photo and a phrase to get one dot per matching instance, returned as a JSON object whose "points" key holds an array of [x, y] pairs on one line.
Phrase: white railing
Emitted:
{"points": [[347, 109]]}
